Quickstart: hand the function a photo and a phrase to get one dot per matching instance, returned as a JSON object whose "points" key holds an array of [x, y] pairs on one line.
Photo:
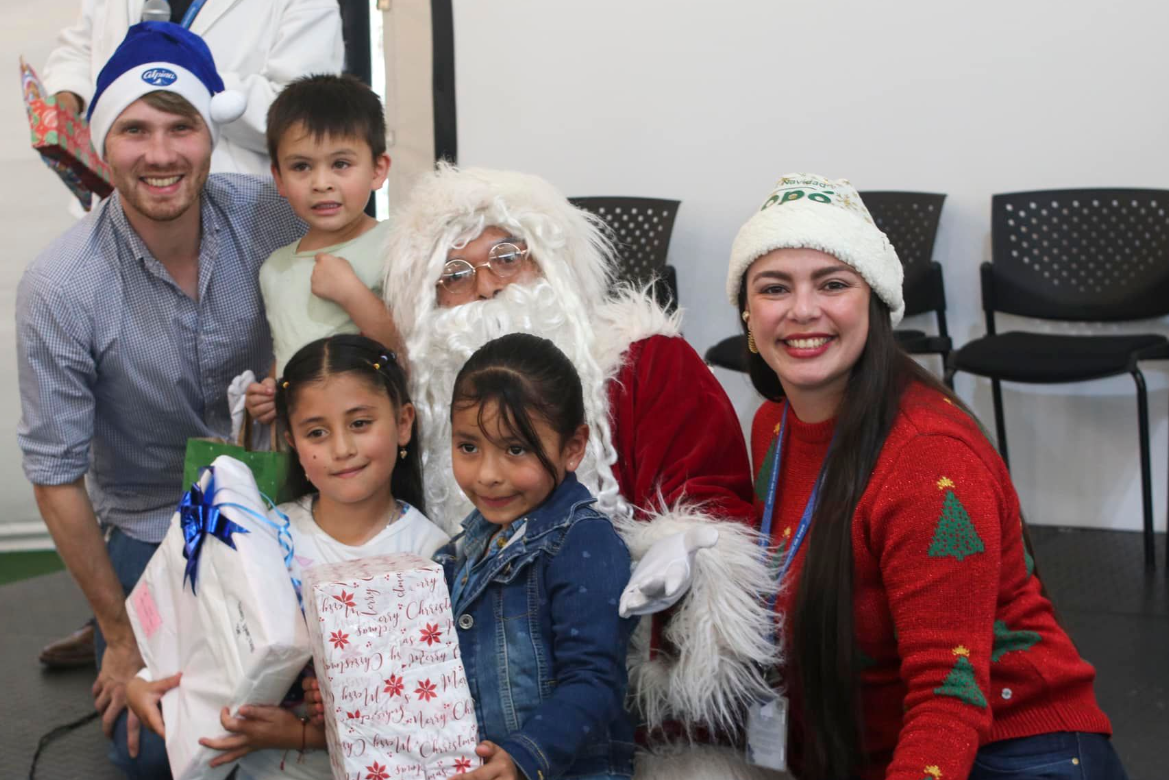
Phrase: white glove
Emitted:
{"points": [[665, 573], [236, 393]]}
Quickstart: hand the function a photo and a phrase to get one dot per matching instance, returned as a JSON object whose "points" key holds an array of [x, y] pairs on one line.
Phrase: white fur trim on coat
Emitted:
{"points": [[628, 316], [722, 628]]}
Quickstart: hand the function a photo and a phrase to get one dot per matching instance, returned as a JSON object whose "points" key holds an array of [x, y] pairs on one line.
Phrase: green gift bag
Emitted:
{"points": [[269, 468]]}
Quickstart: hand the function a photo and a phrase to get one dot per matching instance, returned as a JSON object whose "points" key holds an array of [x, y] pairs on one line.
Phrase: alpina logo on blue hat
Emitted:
{"points": [[159, 77], [161, 56]]}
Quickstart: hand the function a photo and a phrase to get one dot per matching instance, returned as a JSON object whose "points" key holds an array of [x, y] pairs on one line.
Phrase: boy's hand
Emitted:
{"points": [[314, 700], [143, 698], [497, 764], [260, 401], [258, 727], [334, 279]]}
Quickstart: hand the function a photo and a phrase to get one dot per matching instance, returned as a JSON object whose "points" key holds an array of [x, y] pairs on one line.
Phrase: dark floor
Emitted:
{"points": [[1117, 614]]}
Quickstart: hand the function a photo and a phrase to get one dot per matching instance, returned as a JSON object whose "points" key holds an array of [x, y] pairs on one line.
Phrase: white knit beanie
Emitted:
{"points": [[806, 211]]}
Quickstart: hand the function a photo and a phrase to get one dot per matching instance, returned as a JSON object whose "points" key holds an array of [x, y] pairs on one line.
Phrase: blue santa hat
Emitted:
{"points": [[161, 56]]}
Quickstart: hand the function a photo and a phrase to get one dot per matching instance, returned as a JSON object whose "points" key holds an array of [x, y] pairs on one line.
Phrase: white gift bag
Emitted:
{"points": [[386, 654], [234, 629]]}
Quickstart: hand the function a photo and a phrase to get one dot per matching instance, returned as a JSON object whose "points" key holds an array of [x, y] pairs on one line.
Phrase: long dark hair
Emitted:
{"points": [[823, 637], [523, 375], [351, 354]]}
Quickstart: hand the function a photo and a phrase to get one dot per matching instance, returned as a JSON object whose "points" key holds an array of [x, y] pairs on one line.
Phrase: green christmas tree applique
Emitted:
{"points": [[763, 478], [955, 535], [1027, 559], [960, 682], [1007, 641]]}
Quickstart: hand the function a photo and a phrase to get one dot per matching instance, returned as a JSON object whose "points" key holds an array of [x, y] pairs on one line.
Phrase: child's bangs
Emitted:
{"points": [[508, 394]]}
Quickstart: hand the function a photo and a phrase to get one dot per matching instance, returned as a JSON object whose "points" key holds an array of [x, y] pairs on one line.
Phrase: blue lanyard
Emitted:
{"points": [[192, 11], [769, 506]]}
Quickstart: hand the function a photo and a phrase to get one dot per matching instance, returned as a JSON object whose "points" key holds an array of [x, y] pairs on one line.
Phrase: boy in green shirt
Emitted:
{"points": [[326, 138]]}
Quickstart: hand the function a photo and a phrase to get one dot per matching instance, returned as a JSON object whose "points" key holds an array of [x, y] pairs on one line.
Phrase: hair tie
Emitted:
{"points": [[284, 384], [377, 366]]}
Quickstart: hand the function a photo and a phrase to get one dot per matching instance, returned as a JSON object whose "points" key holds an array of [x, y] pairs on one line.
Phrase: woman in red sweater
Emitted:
{"points": [[919, 643]]}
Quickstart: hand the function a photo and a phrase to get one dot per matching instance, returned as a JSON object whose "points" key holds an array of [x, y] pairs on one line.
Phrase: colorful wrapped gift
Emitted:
{"points": [[62, 138], [217, 603], [386, 654]]}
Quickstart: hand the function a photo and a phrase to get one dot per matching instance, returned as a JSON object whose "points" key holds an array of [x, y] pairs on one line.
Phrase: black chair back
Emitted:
{"points": [[641, 230], [910, 220], [1088, 255]]}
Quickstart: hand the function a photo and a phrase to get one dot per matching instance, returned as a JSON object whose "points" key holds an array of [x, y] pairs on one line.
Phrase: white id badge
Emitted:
{"points": [[767, 733]]}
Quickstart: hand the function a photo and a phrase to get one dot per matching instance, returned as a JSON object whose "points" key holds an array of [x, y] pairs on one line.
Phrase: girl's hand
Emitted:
{"points": [[497, 764], [257, 728], [143, 699], [260, 401], [334, 279], [314, 700]]}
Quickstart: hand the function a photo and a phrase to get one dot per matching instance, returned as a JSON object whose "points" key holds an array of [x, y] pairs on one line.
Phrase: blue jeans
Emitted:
{"points": [[129, 558], [1064, 755]]}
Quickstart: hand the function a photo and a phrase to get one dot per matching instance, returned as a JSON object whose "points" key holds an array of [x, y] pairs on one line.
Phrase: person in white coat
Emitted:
{"points": [[259, 46]]}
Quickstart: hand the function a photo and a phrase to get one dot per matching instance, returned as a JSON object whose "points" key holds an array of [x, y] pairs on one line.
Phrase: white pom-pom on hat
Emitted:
{"points": [[228, 106]]}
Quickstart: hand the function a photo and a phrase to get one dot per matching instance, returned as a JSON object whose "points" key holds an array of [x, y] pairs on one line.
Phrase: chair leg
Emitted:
{"points": [[1000, 425], [1146, 468], [947, 372]]}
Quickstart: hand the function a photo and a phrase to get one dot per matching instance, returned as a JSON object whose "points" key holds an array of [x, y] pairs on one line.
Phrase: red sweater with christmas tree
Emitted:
{"points": [[957, 645]]}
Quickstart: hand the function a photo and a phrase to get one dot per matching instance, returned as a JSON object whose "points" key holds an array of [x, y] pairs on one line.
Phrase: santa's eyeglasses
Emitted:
{"points": [[504, 260]]}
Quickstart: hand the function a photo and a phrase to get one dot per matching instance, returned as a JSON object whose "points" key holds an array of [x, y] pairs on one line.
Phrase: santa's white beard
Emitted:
{"points": [[443, 341]]}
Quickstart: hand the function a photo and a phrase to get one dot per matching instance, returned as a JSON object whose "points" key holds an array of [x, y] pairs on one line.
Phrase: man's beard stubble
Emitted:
{"points": [[131, 190]]}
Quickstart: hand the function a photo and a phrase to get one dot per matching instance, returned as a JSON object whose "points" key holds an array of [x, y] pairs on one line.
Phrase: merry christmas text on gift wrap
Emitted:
{"points": [[387, 657]]}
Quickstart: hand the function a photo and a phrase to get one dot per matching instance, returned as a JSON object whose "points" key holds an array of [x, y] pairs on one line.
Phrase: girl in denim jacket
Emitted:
{"points": [[536, 575]]}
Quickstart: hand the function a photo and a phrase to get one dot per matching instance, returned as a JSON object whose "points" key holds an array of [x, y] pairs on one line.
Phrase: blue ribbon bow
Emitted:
{"points": [[200, 517]]}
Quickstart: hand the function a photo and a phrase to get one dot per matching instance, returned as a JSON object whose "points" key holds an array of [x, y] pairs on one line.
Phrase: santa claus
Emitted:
{"points": [[475, 254]]}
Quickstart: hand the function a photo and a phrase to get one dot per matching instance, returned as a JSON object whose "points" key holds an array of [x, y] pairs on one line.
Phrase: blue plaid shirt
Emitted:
{"points": [[118, 367]]}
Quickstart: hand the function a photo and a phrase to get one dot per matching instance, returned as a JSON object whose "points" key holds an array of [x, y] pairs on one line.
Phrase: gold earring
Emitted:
{"points": [[751, 347], [402, 453]]}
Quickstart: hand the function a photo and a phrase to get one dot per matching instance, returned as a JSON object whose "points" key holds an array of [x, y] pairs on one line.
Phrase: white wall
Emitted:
{"points": [[32, 213], [711, 102]]}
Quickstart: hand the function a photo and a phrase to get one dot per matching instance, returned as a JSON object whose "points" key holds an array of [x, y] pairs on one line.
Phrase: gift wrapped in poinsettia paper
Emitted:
{"points": [[217, 603], [386, 654]]}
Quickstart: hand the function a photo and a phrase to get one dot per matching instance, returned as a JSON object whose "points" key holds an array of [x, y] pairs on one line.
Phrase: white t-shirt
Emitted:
{"points": [[412, 533]]}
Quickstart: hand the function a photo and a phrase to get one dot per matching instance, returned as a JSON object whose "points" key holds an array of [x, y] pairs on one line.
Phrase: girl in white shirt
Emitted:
{"points": [[346, 413]]}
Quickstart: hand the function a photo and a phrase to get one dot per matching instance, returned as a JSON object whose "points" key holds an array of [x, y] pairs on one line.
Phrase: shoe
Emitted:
{"points": [[72, 652]]}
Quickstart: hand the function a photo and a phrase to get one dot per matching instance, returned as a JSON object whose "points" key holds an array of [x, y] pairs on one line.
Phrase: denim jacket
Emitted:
{"points": [[540, 637]]}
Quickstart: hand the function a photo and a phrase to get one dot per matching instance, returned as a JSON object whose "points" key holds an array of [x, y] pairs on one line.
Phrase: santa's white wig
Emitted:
{"points": [[450, 208]]}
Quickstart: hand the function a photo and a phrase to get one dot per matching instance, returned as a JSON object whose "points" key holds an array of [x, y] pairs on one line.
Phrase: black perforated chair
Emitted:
{"points": [[1098, 255], [910, 220], [641, 229]]}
